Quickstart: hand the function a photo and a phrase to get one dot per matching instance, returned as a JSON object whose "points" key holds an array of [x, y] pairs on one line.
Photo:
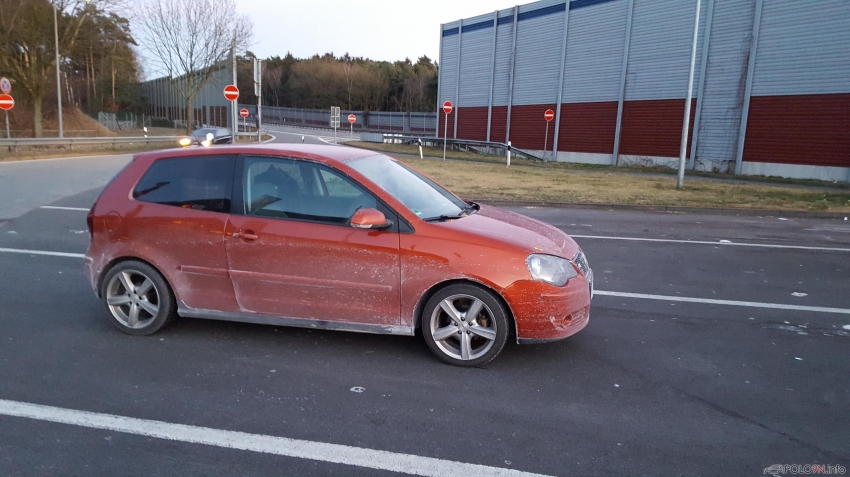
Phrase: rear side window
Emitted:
{"points": [[200, 183]]}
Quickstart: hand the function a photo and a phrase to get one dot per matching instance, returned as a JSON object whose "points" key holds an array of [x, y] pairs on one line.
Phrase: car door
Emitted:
{"points": [[292, 253], [178, 217]]}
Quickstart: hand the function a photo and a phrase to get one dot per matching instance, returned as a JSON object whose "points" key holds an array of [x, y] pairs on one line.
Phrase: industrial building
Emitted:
{"points": [[771, 89]]}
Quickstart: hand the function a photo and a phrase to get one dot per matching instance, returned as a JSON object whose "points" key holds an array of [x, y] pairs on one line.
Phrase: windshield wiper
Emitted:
{"points": [[468, 210], [471, 209]]}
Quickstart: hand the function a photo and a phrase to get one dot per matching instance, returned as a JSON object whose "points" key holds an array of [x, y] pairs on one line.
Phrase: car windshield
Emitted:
{"points": [[421, 195]]}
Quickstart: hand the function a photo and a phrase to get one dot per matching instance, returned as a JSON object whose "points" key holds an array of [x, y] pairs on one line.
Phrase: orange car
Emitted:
{"points": [[328, 237]]}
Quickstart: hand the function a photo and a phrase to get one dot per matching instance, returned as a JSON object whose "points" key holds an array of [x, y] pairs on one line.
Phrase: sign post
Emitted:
{"points": [[549, 115], [447, 108], [352, 119], [258, 91], [244, 113], [231, 93], [335, 119], [6, 103]]}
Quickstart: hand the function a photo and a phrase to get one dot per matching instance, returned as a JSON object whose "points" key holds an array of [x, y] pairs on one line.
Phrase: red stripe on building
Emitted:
{"points": [[528, 128], [588, 127], [472, 123], [654, 127], [498, 121], [799, 129]]}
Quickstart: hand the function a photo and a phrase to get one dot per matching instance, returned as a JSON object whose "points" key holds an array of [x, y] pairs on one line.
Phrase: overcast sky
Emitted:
{"points": [[378, 29]]}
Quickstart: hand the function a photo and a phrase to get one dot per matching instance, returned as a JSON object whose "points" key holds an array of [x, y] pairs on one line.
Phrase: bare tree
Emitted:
{"points": [[27, 51], [189, 40]]}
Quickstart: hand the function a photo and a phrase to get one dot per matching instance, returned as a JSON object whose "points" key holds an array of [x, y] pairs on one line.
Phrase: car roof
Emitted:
{"points": [[316, 152]]}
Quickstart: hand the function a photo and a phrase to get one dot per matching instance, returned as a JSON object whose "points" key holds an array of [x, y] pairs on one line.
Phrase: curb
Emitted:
{"points": [[667, 209]]}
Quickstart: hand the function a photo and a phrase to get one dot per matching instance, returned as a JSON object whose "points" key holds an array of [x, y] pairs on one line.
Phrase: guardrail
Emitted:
{"points": [[480, 147], [70, 142]]}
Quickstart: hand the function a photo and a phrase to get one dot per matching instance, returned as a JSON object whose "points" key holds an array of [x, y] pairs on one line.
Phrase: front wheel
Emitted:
{"points": [[465, 325]]}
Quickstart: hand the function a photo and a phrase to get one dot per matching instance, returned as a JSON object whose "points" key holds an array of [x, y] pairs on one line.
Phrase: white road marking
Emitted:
{"points": [[324, 139], [297, 448], [53, 207], [721, 243], [41, 252], [752, 304], [710, 301]]}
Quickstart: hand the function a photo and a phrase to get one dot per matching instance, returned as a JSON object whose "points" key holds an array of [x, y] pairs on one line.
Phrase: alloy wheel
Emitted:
{"points": [[133, 299], [463, 327]]}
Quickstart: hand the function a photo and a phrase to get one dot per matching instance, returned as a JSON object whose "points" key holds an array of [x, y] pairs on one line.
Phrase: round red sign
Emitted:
{"points": [[352, 118], [6, 102], [231, 92], [549, 115], [243, 112], [447, 107]]}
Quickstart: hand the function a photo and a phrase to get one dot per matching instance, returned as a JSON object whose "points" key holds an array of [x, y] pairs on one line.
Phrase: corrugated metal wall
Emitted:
{"points": [[210, 105], [803, 48], [504, 50], [723, 94], [800, 107], [592, 72], [793, 105], [657, 76]]}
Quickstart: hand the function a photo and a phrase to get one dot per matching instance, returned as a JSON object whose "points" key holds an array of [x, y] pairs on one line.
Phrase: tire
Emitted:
{"points": [[143, 309], [456, 339]]}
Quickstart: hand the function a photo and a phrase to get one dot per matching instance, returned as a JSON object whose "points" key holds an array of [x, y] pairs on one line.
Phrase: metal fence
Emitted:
{"points": [[425, 123], [123, 121]]}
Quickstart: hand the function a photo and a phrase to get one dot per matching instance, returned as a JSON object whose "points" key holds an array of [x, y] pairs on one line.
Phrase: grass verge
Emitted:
{"points": [[558, 184]]}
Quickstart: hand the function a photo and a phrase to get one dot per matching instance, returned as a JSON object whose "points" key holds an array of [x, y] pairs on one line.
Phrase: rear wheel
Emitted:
{"points": [[139, 300], [465, 325]]}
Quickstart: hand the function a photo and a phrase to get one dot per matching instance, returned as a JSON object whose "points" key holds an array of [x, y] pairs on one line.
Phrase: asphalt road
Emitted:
{"points": [[652, 386]]}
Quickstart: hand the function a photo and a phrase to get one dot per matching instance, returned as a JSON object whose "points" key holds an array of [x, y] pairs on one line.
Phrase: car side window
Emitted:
{"points": [[199, 183], [300, 190]]}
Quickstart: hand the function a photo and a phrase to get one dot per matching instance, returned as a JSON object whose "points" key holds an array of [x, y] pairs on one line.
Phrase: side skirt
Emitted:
{"points": [[294, 322]]}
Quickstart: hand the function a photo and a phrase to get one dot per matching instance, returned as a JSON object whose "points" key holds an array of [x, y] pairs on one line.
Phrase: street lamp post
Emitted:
{"points": [[58, 81]]}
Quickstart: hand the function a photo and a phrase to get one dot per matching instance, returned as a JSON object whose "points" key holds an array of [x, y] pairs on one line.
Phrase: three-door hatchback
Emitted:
{"points": [[328, 237]]}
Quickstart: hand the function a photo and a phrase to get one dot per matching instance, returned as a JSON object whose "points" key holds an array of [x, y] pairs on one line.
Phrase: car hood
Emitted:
{"points": [[529, 234]]}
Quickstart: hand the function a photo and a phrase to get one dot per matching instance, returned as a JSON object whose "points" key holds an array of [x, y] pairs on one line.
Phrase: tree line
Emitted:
{"points": [[353, 83], [98, 67], [103, 43]]}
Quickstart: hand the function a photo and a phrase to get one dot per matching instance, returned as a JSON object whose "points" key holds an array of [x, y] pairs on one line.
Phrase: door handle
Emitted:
{"points": [[247, 235]]}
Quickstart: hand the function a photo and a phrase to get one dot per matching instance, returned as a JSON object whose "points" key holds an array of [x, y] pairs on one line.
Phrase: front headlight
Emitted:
{"points": [[550, 269], [185, 141]]}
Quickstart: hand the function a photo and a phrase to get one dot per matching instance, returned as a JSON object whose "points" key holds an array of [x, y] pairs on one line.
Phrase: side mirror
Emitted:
{"points": [[370, 219]]}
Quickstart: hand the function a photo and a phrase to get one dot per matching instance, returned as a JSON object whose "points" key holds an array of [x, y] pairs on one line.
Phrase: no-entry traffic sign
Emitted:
{"points": [[352, 118], [231, 92], [549, 115], [243, 112], [6, 102], [447, 107], [5, 86]]}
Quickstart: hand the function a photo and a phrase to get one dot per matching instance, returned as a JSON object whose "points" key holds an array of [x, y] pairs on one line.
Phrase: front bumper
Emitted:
{"points": [[544, 313]]}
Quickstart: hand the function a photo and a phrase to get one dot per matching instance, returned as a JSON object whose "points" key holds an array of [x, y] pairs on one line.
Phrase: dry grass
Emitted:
{"points": [[74, 122], [558, 184]]}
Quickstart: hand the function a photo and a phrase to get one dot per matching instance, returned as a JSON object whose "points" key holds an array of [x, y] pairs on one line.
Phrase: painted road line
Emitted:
{"points": [[709, 301], [724, 244], [752, 304], [53, 207], [41, 252], [282, 446]]}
